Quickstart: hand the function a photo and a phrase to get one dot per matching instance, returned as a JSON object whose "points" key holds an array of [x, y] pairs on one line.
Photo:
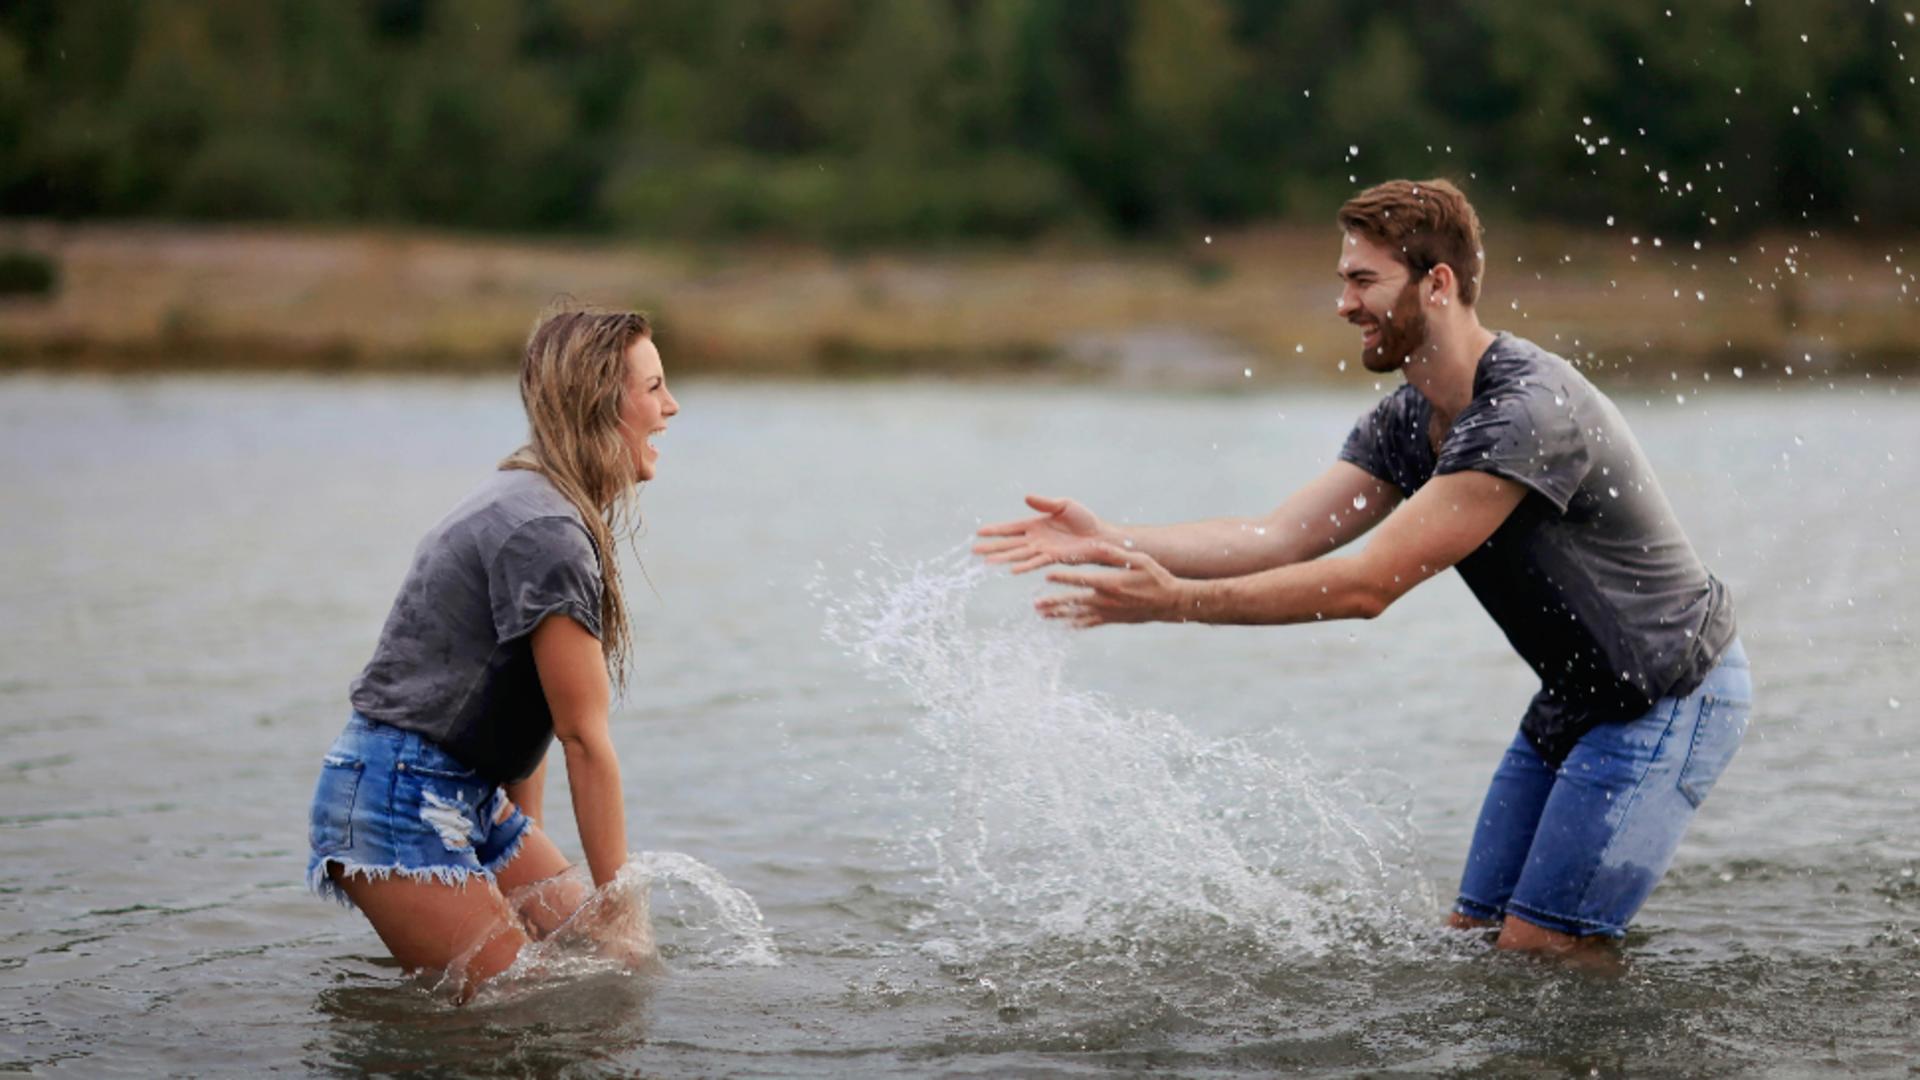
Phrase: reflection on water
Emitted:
{"points": [[385, 1028], [1175, 848]]}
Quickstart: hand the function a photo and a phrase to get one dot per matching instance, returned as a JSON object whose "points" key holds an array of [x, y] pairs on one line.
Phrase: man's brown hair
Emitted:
{"points": [[1424, 223]]}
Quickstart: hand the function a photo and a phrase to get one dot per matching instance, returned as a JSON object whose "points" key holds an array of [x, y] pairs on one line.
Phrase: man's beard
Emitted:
{"points": [[1403, 331]]}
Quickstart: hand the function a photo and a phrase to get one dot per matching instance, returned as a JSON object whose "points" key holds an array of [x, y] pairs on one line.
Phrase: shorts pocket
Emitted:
{"points": [[1723, 722], [330, 826]]}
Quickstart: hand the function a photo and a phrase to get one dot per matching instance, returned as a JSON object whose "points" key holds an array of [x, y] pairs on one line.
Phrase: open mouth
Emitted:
{"points": [[1369, 335], [650, 437]]}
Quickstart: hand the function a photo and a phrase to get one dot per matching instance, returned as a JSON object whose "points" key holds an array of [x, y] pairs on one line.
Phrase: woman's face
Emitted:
{"points": [[645, 407]]}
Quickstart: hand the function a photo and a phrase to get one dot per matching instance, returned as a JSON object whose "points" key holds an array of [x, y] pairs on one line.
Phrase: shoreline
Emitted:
{"points": [[151, 298]]}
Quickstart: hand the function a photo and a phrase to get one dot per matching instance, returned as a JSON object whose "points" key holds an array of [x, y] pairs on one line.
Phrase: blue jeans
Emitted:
{"points": [[1577, 849], [390, 802]]}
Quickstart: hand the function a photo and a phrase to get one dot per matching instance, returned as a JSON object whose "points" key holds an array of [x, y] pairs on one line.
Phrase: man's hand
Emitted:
{"points": [[1065, 532], [1141, 591]]}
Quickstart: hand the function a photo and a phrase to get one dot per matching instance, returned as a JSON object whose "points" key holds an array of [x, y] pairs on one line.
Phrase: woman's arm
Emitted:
{"points": [[573, 673]]}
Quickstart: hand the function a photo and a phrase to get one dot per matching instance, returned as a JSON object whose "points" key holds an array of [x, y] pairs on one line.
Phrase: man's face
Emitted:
{"points": [[1381, 296]]}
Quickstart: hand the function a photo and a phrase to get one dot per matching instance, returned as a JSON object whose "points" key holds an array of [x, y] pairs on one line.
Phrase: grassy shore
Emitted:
{"points": [[165, 298]]}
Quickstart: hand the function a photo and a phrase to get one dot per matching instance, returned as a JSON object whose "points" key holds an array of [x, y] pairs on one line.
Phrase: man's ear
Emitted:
{"points": [[1442, 286]]}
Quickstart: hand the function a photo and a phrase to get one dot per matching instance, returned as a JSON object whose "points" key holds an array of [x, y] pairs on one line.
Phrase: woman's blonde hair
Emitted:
{"points": [[573, 382]]}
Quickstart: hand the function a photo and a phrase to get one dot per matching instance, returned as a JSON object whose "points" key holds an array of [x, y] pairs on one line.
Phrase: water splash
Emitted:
{"points": [[1062, 817], [705, 922]]}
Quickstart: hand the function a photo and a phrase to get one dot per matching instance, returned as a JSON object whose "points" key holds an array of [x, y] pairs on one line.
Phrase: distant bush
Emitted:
{"points": [[28, 273], [245, 175], [1000, 196]]}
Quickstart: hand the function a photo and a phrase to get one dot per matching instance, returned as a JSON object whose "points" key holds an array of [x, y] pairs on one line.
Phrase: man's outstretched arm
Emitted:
{"points": [[1330, 511], [1442, 524]]}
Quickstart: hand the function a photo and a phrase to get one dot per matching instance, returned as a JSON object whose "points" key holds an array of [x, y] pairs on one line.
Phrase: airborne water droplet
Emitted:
{"points": [[1359, 502], [1614, 491]]}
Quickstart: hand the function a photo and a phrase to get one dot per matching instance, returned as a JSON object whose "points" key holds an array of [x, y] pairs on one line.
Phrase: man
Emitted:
{"points": [[1501, 459]]}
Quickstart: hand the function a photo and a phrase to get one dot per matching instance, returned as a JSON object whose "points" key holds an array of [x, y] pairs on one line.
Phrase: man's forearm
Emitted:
{"points": [[1323, 589], [1217, 547]]}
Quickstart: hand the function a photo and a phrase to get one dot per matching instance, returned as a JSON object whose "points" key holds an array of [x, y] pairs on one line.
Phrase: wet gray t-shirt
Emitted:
{"points": [[1590, 578], [455, 661]]}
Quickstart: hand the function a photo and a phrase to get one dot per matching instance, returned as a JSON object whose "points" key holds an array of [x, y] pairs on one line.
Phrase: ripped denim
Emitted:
{"points": [[390, 802]]}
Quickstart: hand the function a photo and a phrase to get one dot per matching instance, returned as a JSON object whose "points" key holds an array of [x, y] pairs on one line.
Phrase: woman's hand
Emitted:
{"points": [[1065, 532], [1141, 591]]}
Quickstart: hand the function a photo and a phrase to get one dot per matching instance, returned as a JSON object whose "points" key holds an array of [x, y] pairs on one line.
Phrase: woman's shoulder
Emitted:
{"points": [[509, 502], [514, 496]]}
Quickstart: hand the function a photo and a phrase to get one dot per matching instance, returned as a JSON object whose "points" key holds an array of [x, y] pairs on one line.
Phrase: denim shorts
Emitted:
{"points": [[1577, 849], [391, 802]]}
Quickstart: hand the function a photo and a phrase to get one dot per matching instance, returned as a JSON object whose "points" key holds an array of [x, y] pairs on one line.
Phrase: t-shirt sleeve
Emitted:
{"points": [[1527, 434], [1366, 444], [546, 567]]}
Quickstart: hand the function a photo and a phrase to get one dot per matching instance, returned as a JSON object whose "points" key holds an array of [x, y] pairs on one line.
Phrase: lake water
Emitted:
{"points": [[977, 845]]}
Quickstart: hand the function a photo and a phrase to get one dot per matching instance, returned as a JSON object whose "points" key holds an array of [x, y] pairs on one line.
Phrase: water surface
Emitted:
{"points": [[978, 845]]}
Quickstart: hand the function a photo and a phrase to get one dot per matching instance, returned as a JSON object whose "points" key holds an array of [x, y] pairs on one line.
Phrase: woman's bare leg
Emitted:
{"points": [[431, 925], [533, 884]]}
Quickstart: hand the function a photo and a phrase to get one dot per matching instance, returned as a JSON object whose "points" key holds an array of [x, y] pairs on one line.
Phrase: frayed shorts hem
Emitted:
{"points": [[320, 879], [389, 802], [321, 883]]}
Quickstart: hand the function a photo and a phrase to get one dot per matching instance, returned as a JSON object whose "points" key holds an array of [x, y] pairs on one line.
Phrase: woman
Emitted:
{"points": [[426, 816]]}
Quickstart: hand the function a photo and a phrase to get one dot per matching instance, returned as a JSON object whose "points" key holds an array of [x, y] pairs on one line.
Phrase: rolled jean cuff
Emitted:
{"points": [[1474, 909], [1563, 924]]}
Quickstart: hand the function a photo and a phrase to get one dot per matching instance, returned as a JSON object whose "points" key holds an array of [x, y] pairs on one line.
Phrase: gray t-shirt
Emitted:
{"points": [[1590, 578], [455, 661]]}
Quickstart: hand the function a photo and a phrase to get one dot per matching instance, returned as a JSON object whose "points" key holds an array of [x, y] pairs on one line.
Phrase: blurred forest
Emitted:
{"points": [[913, 121]]}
